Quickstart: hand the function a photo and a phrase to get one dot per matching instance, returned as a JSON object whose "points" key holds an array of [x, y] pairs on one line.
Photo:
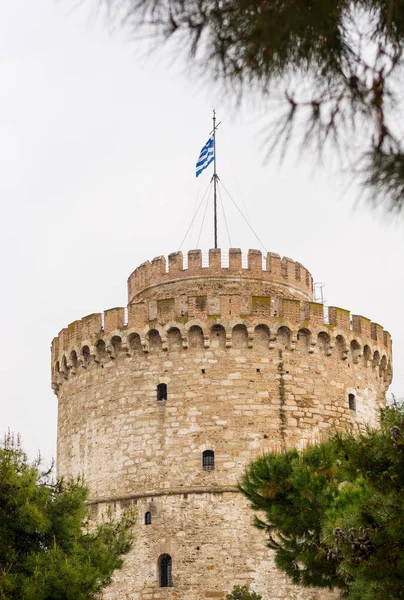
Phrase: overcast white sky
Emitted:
{"points": [[97, 154]]}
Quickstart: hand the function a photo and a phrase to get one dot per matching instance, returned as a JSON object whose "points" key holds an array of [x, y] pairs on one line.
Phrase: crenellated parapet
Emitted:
{"points": [[269, 273], [230, 322]]}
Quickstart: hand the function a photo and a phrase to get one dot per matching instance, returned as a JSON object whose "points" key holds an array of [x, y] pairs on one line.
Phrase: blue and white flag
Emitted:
{"points": [[206, 156]]}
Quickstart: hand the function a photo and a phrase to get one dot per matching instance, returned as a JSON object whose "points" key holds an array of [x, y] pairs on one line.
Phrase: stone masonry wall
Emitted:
{"points": [[213, 545], [245, 374]]}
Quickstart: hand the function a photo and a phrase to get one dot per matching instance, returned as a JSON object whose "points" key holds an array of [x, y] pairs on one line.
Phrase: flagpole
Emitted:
{"points": [[214, 179]]}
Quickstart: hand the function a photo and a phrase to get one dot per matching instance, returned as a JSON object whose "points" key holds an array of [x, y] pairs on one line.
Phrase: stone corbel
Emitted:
{"points": [[184, 339], [64, 371], [125, 346], [81, 361], [71, 367], [110, 350], [94, 354], [313, 346]]}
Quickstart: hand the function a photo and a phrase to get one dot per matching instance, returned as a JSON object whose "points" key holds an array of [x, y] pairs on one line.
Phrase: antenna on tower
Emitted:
{"points": [[319, 297], [319, 292]]}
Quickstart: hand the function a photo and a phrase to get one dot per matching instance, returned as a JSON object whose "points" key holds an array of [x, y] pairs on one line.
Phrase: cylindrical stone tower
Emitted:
{"points": [[162, 404]]}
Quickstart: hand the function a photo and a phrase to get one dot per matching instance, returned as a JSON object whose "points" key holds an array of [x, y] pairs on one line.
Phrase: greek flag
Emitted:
{"points": [[205, 157]]}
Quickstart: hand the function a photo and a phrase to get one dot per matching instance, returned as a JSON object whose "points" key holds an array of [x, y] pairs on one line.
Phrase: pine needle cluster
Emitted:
{"points": [[49, 547], [243, 593], [336, 67], [334, 513]]}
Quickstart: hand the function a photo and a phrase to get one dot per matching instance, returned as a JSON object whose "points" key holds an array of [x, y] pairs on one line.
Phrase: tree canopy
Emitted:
{"points": [[335, 65], [334, 513], [243, 593], [49, 548]]}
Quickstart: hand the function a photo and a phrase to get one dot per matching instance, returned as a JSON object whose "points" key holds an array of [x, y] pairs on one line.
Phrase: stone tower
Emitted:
{"points": [[162, 404]]}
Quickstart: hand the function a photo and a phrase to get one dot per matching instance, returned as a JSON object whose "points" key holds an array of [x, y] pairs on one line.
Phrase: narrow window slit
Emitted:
{"points": [[351, 402], [162, 391], [165, 571]]}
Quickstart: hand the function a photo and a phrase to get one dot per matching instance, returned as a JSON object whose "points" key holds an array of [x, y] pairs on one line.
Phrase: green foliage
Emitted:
{"points": [[49, 549], [335, 66], [242, 593], [334, 513]]}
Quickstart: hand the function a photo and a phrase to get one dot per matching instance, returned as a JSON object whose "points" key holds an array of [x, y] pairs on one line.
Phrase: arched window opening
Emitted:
{"points": [[388, 372], [239, 337], [154, 340], [162, 391], [85, 353], [116, 342], [341, 347], [356, 351], [284, 337], [135, 343], [100, 349], [73, 359], [165, 571], [261, 336], [303, 339], [351, 402], [174, 339], [208, 460], [217, 337], [367, 355], [323, 343], [382, 366], [147, 518], [195, 337], [64, 368]]}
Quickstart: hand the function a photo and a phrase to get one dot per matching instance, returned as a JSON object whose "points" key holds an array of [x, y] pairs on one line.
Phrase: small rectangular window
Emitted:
{"points": [[351, 402], [162, 391], [208, 460]]}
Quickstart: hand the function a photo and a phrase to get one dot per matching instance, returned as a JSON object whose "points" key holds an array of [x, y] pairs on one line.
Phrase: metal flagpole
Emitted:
{"points": [[215, 177]]}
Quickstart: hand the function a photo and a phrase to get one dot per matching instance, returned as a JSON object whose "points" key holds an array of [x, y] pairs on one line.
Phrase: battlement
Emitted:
{"points": [[170, 321], [291, 279]]}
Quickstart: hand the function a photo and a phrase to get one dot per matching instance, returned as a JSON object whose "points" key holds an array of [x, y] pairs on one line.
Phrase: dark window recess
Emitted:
{"points": [[351, 402], [258, 370], [203, 371], [147, 518], [208, 460], [162, 391], [166, 571]]}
